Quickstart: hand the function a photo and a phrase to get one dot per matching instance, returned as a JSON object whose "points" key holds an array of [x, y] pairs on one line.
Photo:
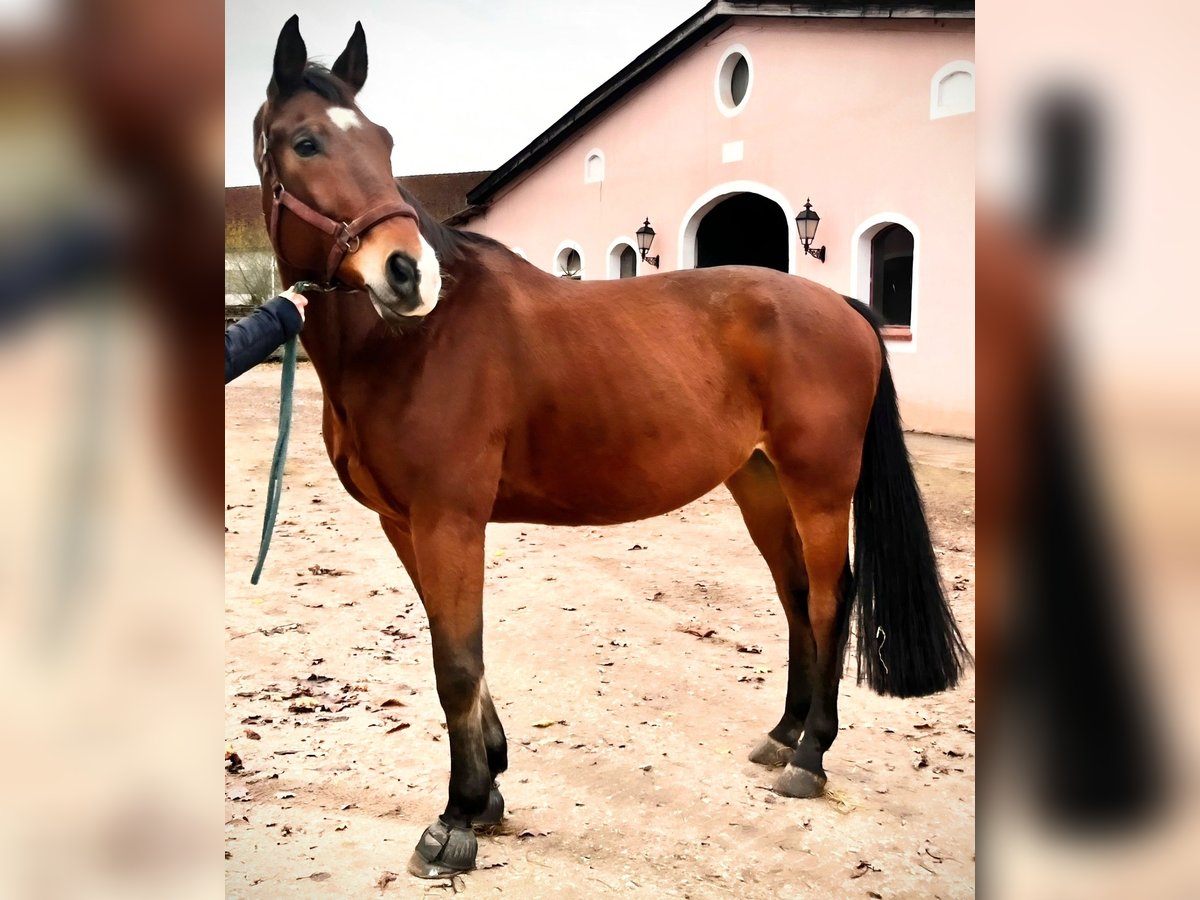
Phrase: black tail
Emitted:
{"points": [[908, 642]]}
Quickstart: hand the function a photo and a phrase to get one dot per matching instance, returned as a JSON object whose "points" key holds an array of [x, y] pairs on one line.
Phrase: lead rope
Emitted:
{"points": [[275, 481], [287, 380]]}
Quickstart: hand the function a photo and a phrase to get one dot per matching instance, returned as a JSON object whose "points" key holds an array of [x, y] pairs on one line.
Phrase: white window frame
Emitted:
{"points": [[587, 157], [722, 76], [556, 268], [936, 110], [860, 271], [614, 258]]}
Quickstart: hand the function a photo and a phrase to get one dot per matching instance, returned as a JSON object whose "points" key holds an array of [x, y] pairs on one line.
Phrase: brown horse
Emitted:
{"points": [[464, 386]]}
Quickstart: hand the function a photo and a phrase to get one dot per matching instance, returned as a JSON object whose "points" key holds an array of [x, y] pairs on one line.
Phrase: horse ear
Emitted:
{"points": [[351, 66], [290, 58]]}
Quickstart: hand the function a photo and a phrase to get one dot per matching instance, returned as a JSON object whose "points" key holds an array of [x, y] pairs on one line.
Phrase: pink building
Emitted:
{"points": [[721, 131]]}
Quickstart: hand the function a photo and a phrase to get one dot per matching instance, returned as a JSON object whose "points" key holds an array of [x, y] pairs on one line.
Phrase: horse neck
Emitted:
{"points": [[336, 326]]}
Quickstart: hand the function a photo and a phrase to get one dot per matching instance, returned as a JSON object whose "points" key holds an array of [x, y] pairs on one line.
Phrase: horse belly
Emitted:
{"points": [[561, 479]]}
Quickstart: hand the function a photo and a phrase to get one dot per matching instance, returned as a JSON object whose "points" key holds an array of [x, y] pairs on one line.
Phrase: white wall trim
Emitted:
{"points": [[860, 270], [595, 151], [614, 259], [686, 251], [936, 110], [556, 269], [721, 75]]}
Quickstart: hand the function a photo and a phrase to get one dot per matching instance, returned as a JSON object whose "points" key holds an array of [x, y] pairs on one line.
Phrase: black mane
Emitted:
{"points": [[449, 243]]}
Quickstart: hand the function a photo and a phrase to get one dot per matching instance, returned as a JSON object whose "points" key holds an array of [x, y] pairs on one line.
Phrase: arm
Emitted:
{"points": [[251, 340]]}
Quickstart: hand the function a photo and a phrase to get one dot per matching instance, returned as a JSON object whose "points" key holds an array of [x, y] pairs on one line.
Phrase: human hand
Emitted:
{"points": [[297, 298]]}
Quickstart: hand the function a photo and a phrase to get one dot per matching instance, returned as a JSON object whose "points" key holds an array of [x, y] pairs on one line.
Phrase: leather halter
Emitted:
{"points": [[346, 237]]}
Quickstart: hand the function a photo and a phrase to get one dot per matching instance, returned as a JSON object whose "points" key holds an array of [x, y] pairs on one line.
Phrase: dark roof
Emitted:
{"points": [[445, 194], [442, 195], [715, 16]]}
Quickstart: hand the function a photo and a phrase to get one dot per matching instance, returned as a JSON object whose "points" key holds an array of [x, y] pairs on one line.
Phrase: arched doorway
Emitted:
{"points": [[744, 229]]}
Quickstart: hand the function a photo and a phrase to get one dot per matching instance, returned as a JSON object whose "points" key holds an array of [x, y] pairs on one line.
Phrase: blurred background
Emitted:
{"points": [[1088, 396], [111, 262], [111, 161]]}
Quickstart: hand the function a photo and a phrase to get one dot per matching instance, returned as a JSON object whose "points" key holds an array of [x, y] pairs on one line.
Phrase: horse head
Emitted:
{"points": [[334, 213]]}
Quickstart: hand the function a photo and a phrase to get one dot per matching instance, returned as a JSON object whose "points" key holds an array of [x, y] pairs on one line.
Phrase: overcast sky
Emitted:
{"points": [[461, 84]]}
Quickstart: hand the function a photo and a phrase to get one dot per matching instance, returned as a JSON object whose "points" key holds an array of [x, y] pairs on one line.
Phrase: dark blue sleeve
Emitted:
{"points": [[251, 340]]}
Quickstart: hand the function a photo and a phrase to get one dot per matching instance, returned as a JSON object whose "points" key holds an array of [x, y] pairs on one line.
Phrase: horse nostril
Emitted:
{"points": [[401, 273]]}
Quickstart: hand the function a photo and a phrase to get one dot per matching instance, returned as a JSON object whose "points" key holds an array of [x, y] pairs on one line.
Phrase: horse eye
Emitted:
{"points": [[306, 147]]}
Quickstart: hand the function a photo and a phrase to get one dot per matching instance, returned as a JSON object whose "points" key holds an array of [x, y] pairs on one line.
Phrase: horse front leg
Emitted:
{"points": [[449, 560]]}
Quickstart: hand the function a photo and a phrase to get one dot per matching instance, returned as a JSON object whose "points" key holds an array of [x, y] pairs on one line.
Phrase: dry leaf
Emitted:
{"points": [[391, 702], [749, 648], [385, 879], [863, 868], [321, 570], [400, 727], [252, 734], [316, 876]]}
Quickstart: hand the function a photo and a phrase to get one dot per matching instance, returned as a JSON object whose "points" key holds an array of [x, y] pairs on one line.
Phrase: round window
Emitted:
{"points": [[569, 263], [733, 81]]}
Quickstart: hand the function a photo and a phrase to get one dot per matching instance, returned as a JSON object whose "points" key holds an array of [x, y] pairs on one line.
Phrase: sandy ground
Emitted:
{"points": [[628, 734]]}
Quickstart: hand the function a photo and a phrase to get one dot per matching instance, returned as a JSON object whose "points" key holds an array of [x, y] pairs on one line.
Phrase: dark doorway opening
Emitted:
{"points": [[744, 230]]}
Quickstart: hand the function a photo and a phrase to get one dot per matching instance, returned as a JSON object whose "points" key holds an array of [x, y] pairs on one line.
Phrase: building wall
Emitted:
{"points": [[839, 111]]}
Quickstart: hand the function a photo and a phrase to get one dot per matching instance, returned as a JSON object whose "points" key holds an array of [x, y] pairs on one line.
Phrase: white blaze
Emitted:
{"points": [[344, 118]]}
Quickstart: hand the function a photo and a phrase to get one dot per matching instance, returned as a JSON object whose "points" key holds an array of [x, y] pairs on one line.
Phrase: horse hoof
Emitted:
{"points": [[797, 782], [443, 851], [772, 753], [494, 813]]}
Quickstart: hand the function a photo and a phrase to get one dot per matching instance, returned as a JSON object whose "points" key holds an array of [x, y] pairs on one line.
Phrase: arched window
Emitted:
{"points": [[593, 167], [622, 258], [952, 90], [628, 262], [892, 275], [568, 262]]}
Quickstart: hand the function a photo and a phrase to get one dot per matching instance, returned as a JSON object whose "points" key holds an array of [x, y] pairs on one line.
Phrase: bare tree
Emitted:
{"points": [[250, 274]]}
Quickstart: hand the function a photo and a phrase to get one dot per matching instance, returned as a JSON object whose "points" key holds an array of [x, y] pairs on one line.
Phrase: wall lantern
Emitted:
{"points": [[645, 237], [806, 224]]}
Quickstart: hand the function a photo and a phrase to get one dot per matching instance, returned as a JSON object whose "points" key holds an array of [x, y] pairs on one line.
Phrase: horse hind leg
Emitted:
{"points": [[496, 746], [819, 490], [756, 490]]}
